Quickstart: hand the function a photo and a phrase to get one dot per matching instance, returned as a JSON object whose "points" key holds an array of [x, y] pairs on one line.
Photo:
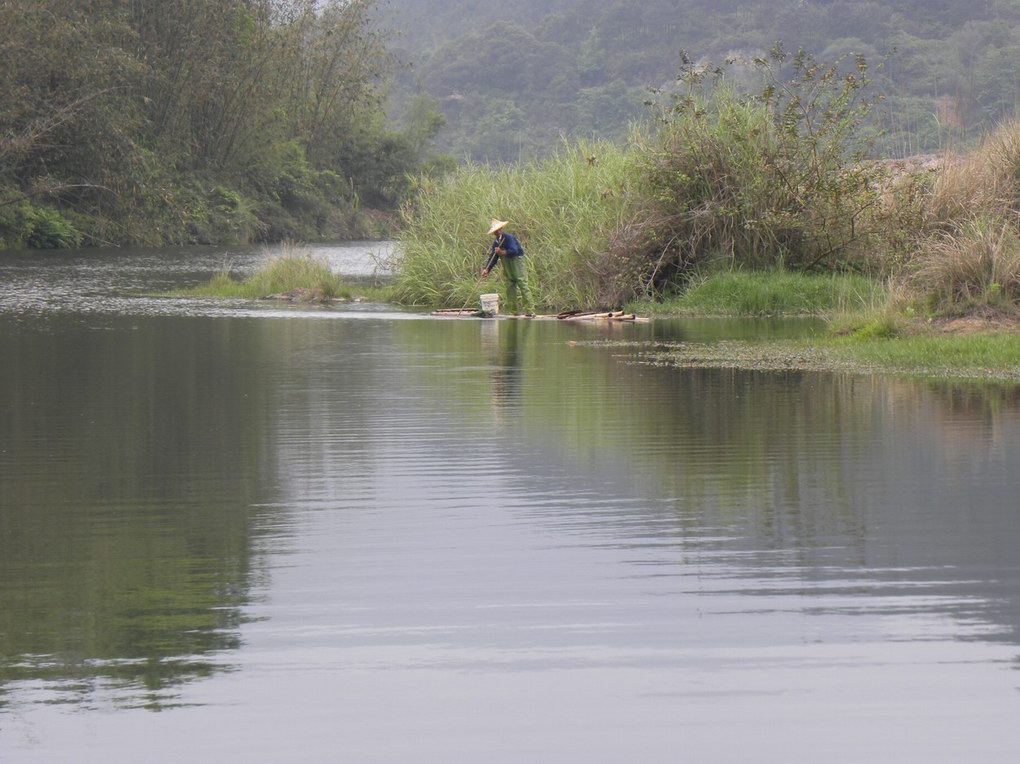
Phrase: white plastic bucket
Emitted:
{"points": [[490, 304]]}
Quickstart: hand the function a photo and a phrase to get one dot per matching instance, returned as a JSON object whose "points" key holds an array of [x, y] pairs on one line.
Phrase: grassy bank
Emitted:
{"points": [[871, 329], [717, 180], [977, 355], [320, 208]]}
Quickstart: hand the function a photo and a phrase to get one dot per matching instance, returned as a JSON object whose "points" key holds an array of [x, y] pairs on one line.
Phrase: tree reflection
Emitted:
{"points": [[898, 483], [506, 352], [130, 460]]}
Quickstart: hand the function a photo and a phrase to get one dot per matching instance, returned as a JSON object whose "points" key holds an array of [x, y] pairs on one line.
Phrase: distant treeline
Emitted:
{"points": [[178, 121], [513, 76]]}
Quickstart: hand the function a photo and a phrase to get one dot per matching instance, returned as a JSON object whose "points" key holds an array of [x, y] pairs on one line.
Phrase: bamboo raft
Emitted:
{"points": [[567, 315]]}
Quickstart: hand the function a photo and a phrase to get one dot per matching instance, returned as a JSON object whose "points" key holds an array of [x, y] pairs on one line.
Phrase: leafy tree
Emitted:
{"points": [[133, 121]]}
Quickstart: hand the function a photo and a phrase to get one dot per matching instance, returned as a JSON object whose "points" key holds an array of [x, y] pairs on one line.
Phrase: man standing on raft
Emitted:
{"points": [[507, 248]]}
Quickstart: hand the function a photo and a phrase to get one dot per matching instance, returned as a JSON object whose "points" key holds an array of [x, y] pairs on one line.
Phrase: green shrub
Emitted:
{"points": [[232, 216], [39, 228], [773, 178]]}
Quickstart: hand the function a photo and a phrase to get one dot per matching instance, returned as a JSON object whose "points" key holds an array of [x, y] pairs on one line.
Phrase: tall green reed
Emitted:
{"points": [[563, 210]]}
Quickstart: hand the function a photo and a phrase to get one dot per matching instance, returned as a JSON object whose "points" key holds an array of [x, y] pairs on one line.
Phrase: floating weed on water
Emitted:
{"points": [[991, 357]]}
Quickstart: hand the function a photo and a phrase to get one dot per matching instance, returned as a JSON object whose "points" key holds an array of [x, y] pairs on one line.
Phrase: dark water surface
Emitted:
{"points": [[246, 532]]}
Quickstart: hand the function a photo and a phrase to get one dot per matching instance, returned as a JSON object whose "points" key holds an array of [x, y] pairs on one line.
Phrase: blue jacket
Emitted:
{"points": [[508, 242]]}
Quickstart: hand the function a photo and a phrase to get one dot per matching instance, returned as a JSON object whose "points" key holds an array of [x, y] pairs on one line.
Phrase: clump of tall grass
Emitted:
{"points": [[977, 265], [885, 313], [563, 210], [296, 271]]}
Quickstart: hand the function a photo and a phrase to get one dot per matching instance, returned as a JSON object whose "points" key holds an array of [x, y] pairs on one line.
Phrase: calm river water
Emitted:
{"points": [[261, 533]]}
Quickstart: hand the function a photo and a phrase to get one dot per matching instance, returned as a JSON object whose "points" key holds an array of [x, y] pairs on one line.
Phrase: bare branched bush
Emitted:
{"points": [[638, 261]]}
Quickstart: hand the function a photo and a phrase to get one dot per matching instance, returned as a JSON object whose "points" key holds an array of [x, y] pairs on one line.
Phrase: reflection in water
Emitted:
{"points": [[129, 461], [821, 482], [505, 341], [480, 541]]}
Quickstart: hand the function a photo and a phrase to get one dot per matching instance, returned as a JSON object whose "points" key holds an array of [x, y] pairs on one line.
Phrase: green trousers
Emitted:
{"points": [[517, 281]]}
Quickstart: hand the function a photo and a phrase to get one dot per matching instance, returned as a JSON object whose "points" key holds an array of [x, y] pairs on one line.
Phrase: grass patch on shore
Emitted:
{"points": [[293, 272], [770, 293], [870, 329]]}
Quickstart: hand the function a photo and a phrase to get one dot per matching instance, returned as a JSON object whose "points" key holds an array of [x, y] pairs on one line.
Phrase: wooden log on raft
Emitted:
{"points": [[456, 312], [567, 315], [592, 316]]}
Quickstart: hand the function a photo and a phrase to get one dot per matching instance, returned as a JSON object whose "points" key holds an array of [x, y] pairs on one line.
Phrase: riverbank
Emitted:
{"points": [[866, 334], [196, 215], [199, 123], [871, 329]]}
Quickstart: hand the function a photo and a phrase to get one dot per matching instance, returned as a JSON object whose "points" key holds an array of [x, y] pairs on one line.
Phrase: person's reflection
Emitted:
{"points": [[506, 341]]}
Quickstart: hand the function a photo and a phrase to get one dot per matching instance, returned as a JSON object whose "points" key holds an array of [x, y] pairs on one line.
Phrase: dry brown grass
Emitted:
{"points": [[978, 263], [983, 181], [961, 232]]}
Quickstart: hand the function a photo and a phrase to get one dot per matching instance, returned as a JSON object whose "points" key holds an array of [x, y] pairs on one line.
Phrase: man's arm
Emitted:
{"points": [[492, 261]]}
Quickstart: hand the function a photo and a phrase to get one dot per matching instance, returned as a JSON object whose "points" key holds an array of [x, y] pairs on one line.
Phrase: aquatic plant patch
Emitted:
{"points": [[985, 357]]}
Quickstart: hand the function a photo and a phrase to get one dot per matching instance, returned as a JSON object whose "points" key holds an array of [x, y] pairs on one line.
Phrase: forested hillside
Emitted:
{"points": [[178, 121], [512, 76]]}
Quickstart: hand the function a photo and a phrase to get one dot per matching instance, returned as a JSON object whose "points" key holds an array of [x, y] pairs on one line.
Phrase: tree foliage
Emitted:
{"points": [[130, 118]]}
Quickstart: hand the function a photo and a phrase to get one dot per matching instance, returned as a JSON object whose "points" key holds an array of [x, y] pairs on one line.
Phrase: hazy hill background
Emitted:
{"points": [[514, 76]]}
